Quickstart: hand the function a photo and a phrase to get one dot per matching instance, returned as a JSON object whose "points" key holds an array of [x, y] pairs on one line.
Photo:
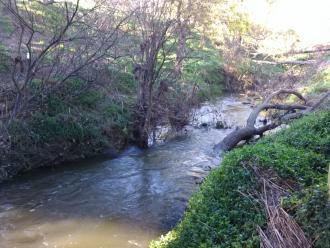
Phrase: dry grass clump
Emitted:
{"points": [[281, 231]]}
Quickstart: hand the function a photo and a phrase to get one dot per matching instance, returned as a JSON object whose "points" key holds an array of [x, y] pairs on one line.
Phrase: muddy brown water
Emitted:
{"points": [[117, 203]]}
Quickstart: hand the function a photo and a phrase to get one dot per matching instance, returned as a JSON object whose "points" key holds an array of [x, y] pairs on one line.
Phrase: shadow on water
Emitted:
{"points": [[123, 202]]}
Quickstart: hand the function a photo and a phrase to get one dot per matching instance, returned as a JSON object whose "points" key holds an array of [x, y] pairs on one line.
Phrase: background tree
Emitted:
{"points": [[57, 42]]}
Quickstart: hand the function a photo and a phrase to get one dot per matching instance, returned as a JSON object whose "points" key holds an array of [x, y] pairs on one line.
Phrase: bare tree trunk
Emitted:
{"points": [[143, 108]]}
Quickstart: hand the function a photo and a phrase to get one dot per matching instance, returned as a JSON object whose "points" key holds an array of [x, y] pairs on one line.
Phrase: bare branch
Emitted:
{"points": [[254, 115], [249, 131]]}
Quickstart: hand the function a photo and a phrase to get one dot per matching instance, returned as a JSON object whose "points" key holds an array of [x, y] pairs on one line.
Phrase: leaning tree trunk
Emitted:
{"points": [[250, 130]]}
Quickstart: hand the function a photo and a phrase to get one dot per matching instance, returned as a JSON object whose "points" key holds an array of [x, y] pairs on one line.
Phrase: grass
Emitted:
{"points": [[320, 82], [80, 123], [4, 59], [6, 25], [221, 213]]}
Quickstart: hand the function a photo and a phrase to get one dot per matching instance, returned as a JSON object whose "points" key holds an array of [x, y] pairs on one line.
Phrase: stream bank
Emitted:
{"points": [[229, 210]]}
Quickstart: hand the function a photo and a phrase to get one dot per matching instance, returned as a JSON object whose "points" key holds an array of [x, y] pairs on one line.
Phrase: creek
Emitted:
{"points": [[116, 203]]}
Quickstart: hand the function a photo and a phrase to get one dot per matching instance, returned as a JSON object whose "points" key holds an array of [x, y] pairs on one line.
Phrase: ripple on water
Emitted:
{"points": [[123, 202]]}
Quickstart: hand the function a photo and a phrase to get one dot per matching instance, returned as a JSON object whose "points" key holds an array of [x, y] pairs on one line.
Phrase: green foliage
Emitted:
{"points": [[90, 98], [74, 128], [311, 132], [58, 127], [74, 84], [123, 81], [320, 82], [4, 59], [6, 25], [50, 16], [324, 75], [221, 214], [320, 87], [44, 129], [55, 106], [210, 91], [118, 114], [21, 137], [310, 208], [204, 68], [84, 123]]}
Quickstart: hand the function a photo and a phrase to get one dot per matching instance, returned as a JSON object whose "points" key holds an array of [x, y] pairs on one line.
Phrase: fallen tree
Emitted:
{"points": [[289, 62], [289, 112]]}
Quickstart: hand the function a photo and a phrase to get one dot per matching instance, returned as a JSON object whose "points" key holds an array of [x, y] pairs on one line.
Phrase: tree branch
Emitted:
{"points": [[249, 131]]}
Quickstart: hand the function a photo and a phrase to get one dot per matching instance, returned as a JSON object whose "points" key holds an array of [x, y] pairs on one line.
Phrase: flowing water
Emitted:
{"points": [[122, 202]]}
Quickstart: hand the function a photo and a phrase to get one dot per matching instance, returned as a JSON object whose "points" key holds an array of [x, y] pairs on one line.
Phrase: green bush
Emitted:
{"points": [[90, 98], [311, 209], [55, 106], [312, 133], [320, 87], [60, 129], [209, 91], [221, 214], [123, 81], [118, 115]]}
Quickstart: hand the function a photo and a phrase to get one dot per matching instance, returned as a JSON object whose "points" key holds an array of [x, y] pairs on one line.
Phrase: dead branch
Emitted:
{"points": [[281, 230], [289, 62], [321, 49], [265, 105], [293, 111]]}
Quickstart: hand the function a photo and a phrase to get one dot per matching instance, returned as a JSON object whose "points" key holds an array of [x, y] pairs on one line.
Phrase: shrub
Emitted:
{"points": [[310, 208], [90, 98], [119, 116], [312, 133]]}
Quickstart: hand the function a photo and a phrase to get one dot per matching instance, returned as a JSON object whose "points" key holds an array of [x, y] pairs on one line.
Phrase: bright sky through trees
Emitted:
{"points": [[309, 19]]}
